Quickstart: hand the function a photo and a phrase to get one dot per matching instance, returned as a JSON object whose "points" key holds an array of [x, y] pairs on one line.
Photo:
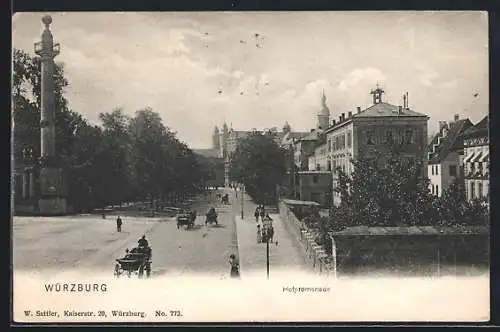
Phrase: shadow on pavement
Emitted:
{"points": [[218, 226], [158, 272], [193, 228]]}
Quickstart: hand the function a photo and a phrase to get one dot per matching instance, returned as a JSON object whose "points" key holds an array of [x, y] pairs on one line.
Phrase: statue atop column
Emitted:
{"points": [[52, 195]]}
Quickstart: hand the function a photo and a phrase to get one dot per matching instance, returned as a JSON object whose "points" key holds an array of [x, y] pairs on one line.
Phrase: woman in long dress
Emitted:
{"points": [[235, 266]]}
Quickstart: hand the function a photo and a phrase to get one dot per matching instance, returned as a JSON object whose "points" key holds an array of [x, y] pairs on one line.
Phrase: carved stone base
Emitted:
{"points": [[53, 192], [52, 206]]}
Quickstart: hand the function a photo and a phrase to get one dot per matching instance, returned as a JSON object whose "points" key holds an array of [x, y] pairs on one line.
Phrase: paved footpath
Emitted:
{"points": [[286, 254]]}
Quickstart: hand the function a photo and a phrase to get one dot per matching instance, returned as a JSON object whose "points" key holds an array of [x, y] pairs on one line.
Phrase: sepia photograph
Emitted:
{"points": [[179, 167]]}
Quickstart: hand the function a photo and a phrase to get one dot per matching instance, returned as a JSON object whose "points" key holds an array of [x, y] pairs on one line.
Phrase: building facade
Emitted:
{"points": [[319, 160], [476, 161], [446, 154], [380, 128], [315, 186]]}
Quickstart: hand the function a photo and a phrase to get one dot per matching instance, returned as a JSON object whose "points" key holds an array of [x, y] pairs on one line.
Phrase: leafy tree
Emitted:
{"points": [[259, 163], [115, 155], [123, 159], [384, 190]]}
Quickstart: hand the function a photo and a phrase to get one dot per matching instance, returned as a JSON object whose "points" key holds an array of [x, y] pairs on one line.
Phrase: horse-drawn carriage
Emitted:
{"points": [[211, 217], [186, 218], [137, 260]]}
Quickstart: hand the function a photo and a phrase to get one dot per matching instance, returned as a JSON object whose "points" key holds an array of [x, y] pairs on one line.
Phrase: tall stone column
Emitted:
{"points": [[52, 196]]}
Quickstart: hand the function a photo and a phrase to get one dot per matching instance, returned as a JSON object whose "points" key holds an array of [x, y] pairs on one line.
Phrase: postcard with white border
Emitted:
{"points": [[250, 167]]}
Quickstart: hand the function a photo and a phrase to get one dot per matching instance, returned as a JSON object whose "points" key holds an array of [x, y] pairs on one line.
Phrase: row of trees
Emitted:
{"points": [[122, 159]]}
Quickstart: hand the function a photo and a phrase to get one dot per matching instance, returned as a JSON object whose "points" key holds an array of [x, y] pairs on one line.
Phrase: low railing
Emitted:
{"points": [[315, 255]]}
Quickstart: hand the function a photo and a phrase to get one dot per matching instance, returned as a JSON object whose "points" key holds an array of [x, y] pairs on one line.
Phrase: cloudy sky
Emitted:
{"points": [[256, 70]]}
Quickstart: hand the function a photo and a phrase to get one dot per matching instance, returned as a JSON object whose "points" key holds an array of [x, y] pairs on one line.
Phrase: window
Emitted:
{"points": [[388, 137], [329, 165], [409, 136], [480, 190], [437, 169], [432, 189], [315, 179], [453, 170], [349, 139], [318, 167], [437, 190], [369, 138], [432, 169], [472, 190]]}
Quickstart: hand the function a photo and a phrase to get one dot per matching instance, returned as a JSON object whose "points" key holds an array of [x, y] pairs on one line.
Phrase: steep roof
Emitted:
{"points": [[451, 142], [383, 109], [312, 136], [286, 138], [480, 128]]}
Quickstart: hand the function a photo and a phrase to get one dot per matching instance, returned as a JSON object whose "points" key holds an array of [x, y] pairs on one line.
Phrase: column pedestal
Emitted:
{"points": [[53, 194]]}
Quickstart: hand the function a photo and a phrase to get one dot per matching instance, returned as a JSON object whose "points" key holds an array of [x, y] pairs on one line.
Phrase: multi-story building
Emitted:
{"points": [[379, 128], [319, 160], [315, 185], [445, 154], [476, 161], [305, 147], [226, 139]]}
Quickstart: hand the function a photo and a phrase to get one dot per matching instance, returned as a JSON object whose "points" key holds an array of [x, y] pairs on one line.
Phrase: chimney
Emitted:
{"points": [[343, 116], [456, 117], [359, 109], [333, 123], [340, 118], [349, 114]]}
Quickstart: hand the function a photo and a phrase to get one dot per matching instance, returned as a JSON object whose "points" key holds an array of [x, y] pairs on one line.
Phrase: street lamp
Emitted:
{"points": [[241, 194], [267, 256]]}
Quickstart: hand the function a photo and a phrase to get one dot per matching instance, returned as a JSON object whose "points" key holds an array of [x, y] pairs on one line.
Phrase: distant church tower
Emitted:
{"points": [[324, 114], [216, 139]]}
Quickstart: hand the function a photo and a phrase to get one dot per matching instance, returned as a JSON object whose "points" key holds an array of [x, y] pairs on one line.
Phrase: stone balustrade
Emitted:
{"points": [[314, 254]]}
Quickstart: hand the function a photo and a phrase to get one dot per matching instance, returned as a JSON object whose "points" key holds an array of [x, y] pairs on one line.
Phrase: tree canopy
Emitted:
{"points": [[391, 190], [259, 163], [121, 159]]}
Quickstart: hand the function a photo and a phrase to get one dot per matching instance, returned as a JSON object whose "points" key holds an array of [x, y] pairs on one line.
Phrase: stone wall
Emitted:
{"points": [[314, 254]]}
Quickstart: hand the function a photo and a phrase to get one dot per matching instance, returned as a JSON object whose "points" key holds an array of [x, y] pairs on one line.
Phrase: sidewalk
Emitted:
{"points": [[252, 255]]}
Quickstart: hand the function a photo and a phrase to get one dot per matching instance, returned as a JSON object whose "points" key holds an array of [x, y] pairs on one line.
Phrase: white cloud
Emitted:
{"points": [[168, 61], [427, 77], [361, 77]]}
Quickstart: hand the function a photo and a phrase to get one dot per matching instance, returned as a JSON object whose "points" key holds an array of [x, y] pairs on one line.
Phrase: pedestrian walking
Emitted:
{"points": [[259, 234], [256, 214], [270, 230], [262, 213], [235, 266], [119, 224]]}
